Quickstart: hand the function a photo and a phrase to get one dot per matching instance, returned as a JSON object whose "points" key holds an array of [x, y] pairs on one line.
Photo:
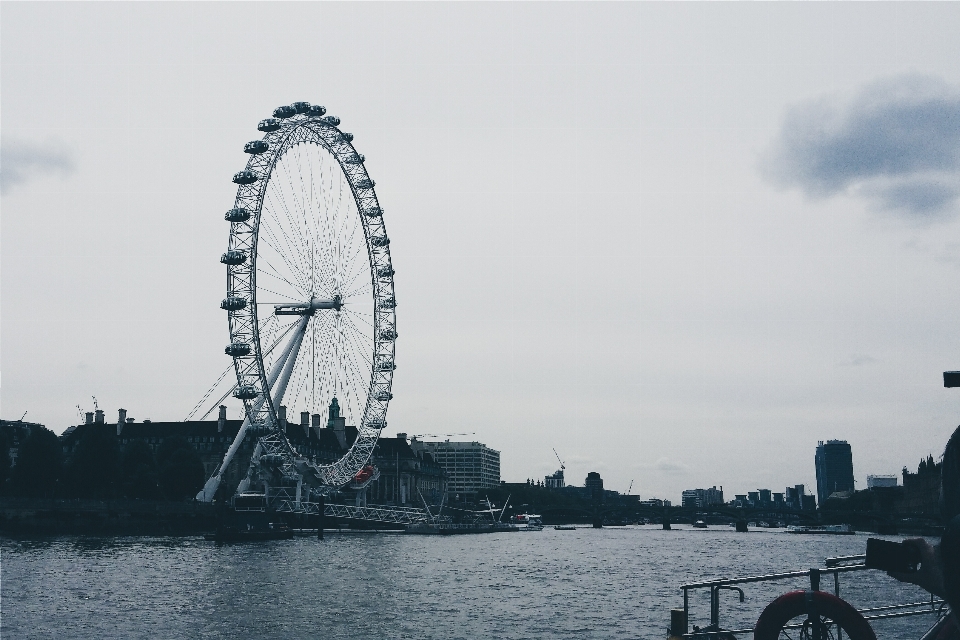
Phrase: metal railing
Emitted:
{"points": [[835, 566]]}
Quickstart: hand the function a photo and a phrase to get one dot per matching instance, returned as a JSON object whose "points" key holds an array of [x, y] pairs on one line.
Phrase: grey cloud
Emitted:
{"points": [[857, 360], [896, 142], [670, 466], [21, 161]]}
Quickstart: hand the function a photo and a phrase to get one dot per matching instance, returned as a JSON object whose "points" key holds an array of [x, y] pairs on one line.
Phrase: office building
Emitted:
{"points": [[834, 461], [471, 467]]}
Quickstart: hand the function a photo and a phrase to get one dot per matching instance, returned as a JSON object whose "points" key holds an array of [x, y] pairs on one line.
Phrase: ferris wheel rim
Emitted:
{"points": [[280, 138]]}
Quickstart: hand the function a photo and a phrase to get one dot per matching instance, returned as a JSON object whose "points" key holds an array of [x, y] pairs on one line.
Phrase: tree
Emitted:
{"points": [[138, 471], [181, 470], [39, 465], [93, 468]]}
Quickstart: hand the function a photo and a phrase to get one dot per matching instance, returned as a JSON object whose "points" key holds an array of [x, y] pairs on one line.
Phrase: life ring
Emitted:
{"points": [[811, 603]]}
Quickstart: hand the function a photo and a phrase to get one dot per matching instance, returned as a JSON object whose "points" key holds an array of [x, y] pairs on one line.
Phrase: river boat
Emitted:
{"points": [[273, 531], [450, 529], [699, 524], [829, 530], [527, 522], [561, 527]]}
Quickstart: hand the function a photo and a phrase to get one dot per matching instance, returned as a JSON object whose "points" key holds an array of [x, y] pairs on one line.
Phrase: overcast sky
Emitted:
{"points": [[680, 243]]}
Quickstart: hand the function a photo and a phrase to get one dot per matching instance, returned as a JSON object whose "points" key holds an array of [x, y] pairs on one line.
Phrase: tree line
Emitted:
{"points": [[99, 468]]}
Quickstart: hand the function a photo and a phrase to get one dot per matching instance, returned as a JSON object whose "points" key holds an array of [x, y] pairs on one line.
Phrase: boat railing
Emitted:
{"points": [[833, 567]]}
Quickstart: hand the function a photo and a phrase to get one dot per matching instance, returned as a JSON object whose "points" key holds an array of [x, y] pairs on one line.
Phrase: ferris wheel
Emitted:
{"points": [[310, 296]]}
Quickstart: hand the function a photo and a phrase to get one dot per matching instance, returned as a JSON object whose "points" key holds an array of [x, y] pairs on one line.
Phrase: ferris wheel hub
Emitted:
{"points": [[308, 308]]}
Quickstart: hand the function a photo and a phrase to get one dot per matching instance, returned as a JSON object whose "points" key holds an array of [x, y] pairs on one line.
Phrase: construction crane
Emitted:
{"points": [[95, 405], [630, 487], [563, 467]]}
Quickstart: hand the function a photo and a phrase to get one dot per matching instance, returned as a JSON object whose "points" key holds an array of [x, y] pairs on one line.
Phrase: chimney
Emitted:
{"points": [[222, 419], [130, 420], [402, 436], [305, 423], [282, 418], [99, 416], [121, 420], [89, 417]]}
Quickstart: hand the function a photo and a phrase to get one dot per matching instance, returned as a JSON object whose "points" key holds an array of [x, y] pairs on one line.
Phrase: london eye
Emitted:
{"points": [[309, 299]]}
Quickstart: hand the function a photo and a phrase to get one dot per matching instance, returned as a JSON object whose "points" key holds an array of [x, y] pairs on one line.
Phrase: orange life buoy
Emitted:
{"points": [[811, 603]]}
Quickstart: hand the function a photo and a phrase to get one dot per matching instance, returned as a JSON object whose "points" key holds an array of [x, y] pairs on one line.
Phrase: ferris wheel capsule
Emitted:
{"points": [[246, 392], [286, 111], [234, 257], [245, 177], [236, 215], [255, 146], [233, 303], [237, 349], [268, 125], [301, 107]]}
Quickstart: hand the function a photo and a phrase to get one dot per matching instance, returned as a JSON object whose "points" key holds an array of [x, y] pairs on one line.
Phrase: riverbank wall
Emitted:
{"points": [[32, 516]]}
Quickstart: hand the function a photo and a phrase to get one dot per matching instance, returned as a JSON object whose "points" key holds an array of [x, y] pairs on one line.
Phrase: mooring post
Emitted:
{"points": [[666, 521], [678, 623], [321, 517]]}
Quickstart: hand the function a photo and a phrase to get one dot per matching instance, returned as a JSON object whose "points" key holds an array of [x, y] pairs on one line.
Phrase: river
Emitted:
{"points": [[614, 582]]}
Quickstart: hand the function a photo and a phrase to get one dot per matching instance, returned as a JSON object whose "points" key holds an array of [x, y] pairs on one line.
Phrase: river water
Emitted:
{"points": [[614, 582]]}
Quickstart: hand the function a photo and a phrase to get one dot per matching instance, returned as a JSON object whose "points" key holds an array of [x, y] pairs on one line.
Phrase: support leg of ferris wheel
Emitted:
{"points": [[288, 355], [278, 389]]}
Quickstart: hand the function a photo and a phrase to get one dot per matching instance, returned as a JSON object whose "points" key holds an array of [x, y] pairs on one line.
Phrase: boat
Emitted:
{"points": [[527, 522], [450, 529], [561, 527], [830, 530], [699, 524], [273, 531]]}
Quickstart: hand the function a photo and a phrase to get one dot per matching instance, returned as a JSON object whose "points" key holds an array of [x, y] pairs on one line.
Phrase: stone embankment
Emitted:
{"points": [[32, 516]]}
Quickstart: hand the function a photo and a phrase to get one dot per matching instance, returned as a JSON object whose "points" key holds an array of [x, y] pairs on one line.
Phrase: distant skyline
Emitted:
{"points": [[681, 243]]}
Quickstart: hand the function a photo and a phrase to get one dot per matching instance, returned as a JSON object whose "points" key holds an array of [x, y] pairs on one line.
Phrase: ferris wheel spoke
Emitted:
{"points": [[274, 273], [355, 273], [294, 245], [295, 264], [359, 316], [295, 267], [360, 341], [271, 242]]}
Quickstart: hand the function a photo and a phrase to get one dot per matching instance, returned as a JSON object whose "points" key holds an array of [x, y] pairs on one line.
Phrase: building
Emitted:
{"points": [[921, 490], [593, 485], [875, 482], [654, 502], [834, 461], [702, 497], [15, 432], [796, 498], [555, 480], [470, 467], [405, 473]]}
